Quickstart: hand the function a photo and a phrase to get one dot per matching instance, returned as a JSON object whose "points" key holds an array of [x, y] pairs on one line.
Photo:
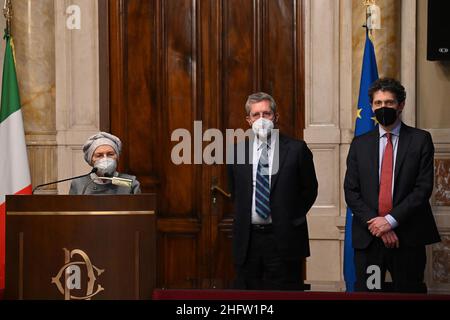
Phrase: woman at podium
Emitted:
{"points": [[101, 152]]}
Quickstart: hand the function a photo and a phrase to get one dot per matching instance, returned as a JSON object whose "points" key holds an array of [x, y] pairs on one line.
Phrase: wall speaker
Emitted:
{"points": [[438, 32]]}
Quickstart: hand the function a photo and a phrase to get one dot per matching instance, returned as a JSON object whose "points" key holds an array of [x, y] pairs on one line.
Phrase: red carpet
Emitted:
{"points": [[172, 294]]}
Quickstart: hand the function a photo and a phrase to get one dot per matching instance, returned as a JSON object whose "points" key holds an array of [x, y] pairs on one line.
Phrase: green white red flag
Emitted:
{"points": [[14, 169]]}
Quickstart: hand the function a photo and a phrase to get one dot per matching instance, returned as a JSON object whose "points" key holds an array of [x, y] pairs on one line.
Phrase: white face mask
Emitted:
{"points": [[262, 127], [105, 166]]}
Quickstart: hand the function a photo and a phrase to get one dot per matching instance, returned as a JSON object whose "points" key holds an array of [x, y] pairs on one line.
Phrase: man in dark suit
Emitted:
{"points": [[388, 183], [273, 188]]}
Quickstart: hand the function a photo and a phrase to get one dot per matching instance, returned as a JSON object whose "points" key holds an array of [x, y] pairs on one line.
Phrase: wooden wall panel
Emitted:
{"points": [[180, 250], [139, 71], [179, 101], [239, 60], [280, 59]]}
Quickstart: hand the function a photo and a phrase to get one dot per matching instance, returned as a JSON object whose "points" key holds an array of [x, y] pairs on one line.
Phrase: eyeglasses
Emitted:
{"points": [[265, 114], [388, 103]]}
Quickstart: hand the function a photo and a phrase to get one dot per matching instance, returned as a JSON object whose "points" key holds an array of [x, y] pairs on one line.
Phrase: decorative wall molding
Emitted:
{"points": [[440, 136], [41, 147], [328, 116], [77, 90], [408, 58], [322, 70]]}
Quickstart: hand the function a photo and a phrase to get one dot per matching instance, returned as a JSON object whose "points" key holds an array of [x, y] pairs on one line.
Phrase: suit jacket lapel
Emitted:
{"points": [[403, 143], [280, 152], [248, 166], [374, 159]]}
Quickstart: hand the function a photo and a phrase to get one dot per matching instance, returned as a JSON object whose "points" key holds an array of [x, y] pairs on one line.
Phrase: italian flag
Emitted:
{"points": [[14, 170]]}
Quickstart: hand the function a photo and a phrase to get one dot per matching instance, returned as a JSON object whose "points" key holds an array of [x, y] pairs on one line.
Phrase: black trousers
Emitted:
{"points": [[405, 264], [265, 268]]}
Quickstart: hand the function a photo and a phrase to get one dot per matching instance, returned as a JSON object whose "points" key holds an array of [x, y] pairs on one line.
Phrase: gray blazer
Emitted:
{"points": [[87, 184]]}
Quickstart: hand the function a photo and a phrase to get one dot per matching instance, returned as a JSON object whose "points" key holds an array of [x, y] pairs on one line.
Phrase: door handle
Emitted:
{"points": [[215, 188], [220, 190]]}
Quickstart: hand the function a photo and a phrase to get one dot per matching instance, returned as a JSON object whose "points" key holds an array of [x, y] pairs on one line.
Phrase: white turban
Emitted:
{"points": [[100, 139]]}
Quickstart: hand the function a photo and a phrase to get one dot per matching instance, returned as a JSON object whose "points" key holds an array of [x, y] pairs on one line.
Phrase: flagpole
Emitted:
{"points": [[8, 13]]}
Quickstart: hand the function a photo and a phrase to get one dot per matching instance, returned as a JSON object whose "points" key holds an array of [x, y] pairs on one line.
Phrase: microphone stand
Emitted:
{"points": [[82, 176]]}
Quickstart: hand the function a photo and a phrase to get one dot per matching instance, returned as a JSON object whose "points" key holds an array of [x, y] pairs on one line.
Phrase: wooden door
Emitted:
{"points": [[173, 62]]}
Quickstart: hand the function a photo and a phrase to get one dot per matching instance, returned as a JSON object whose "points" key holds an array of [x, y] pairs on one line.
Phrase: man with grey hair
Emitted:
{"points": [[272, 192], [101, 151]]}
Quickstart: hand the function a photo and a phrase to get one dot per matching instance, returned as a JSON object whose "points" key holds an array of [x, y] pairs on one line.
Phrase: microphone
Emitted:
{"points": [[123, 182], [94, 170]]}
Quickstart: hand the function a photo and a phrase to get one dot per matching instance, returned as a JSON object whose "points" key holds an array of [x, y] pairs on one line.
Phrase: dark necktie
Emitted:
{"points": [[385, 195], [262, 190]]}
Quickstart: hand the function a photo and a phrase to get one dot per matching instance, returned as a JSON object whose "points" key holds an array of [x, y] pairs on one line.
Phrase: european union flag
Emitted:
{"points": [[364, 123]]}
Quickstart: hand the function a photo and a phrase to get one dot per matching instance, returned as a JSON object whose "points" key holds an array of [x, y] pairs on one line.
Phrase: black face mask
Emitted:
{"points": [[386, 116]]}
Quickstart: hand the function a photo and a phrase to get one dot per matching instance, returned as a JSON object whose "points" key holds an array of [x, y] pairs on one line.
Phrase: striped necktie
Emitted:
{"points": [[262, 192]]}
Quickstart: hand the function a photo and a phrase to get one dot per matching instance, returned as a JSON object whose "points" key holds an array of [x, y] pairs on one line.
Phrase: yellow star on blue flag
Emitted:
{"points": [[358, 113]]}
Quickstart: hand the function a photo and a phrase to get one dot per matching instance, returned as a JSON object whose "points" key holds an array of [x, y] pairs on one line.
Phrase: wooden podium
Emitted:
{"points": [[80, 247]]}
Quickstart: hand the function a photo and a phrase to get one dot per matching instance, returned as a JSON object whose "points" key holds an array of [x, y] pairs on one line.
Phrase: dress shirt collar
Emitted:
{"points": [[395, 131], [270, 142]]}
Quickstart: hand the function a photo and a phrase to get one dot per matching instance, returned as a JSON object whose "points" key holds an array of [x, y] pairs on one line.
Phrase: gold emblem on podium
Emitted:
{"points": [[71, 275]]}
